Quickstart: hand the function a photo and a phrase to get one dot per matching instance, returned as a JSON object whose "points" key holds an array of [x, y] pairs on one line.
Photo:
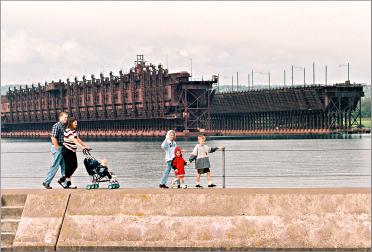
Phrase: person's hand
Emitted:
{"points": [[87, 147], [56, 147], [221, 147], [175, 170], [187, 162]]}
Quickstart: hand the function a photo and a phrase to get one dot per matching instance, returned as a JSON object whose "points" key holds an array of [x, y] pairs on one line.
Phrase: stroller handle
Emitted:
{"points": [[86, 152]]}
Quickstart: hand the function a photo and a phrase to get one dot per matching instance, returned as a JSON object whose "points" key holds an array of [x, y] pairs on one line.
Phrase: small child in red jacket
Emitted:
{"points": [[178, 165]]}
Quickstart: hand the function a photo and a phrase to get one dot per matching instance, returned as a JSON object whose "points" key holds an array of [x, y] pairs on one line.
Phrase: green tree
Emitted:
{"points": [[366, 107]]}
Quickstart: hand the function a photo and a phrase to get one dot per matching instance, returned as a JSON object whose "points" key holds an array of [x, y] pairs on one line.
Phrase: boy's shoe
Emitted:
{"points": [[178, 186], [184, 186], [212, 185], [46, 186], [198, 186]]}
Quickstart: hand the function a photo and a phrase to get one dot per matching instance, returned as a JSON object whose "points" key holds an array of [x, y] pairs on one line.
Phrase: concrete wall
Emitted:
{"points": [[196, 218]]}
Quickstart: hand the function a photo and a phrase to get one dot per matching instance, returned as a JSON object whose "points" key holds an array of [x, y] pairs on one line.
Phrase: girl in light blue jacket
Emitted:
{"points": [[168, 145]]}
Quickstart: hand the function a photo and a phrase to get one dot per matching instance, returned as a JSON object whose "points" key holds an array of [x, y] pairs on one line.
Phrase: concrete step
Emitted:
{"points": [[13, 199], [7, 239], [11, 212], [9, 225]]}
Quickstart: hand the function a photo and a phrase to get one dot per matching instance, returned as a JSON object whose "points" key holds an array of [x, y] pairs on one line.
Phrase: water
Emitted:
{"points": [[268, 163]]}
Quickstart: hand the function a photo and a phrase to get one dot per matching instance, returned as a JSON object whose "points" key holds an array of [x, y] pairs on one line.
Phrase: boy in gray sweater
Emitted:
{"points": [[202, 164]]}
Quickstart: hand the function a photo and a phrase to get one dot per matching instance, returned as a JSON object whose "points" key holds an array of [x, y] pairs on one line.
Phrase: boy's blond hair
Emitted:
{"points": [[202, 136]]}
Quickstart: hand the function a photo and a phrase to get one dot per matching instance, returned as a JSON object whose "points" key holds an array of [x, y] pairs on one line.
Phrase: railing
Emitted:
{"points": [[223, 162]]}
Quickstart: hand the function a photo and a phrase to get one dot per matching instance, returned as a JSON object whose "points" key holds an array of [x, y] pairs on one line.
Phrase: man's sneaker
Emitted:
{"points": [[212, 185], [198, 186], [46, 186]]}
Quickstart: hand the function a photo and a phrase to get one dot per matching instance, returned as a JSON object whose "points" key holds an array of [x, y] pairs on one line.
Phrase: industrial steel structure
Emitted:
{"points": [[335, 107], [148, 99]]}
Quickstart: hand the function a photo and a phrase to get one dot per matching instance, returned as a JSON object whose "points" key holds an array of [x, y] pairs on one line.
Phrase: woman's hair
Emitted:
{"points": [[71, 120]]}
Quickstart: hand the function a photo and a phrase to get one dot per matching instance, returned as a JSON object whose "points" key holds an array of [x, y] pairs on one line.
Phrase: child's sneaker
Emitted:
{"points": [[198, 186], [212, 185], [184, 186], [178, 186], [172, 184]]}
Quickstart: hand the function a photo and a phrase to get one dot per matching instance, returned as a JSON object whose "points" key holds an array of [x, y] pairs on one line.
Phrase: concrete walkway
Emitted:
{"points": [[200, 219]]}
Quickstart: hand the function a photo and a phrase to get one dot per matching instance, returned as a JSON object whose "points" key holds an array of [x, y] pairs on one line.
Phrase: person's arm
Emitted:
{"points": [[212, 149], [193, 154], [54, 135], [165, 145], [55, 142], [82, 143], [74, 139], [173, 166]]}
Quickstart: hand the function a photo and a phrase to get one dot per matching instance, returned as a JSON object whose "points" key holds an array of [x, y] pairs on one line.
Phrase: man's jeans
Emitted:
{"points": [[166, 172], [57, 161]]}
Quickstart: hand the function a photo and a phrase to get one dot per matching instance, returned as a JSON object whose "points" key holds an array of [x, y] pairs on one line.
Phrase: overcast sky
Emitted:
{"points": [[44, 41]]}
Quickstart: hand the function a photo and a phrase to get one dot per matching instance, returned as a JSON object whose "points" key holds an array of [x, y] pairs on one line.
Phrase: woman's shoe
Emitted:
{"points": [[61, 181], [68, 185]]}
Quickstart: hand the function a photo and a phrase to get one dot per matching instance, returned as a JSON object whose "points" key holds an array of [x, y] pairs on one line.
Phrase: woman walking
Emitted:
{"points": [[70, 142]]}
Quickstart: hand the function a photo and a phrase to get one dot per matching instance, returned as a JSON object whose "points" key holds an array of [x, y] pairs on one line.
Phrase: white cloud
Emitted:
{"points": [[220, 37]]}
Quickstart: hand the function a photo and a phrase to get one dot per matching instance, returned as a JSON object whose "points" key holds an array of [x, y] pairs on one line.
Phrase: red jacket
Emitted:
{"points": [[178, 162]]}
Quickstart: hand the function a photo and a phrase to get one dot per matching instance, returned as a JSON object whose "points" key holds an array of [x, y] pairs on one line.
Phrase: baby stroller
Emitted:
{"points": [[98, 172]]}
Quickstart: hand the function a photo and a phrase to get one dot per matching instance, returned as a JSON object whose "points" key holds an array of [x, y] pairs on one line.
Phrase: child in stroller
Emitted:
{"points": [[99, 172]]}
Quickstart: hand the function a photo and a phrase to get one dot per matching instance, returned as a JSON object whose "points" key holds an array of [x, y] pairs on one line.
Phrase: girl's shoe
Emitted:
{"points": [[212, 185], [198, 186], [184, 186]]}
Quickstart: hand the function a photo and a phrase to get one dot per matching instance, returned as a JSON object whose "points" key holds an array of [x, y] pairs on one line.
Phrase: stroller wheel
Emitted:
{"points": [[113, 186], [92, 186]]}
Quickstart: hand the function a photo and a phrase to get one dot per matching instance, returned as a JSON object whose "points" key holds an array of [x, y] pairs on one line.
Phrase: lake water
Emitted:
{"points": [[259, 163]]}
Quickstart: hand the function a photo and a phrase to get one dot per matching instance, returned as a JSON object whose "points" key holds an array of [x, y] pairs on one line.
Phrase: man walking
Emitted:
{"points": [[57, 141]]}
